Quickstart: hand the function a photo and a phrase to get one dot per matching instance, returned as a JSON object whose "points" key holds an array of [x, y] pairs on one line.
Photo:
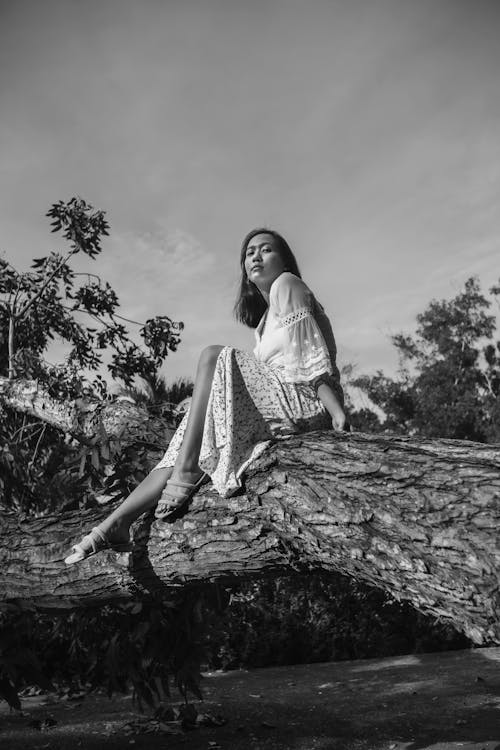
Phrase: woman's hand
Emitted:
{"points": [[330, 401], [339, 420]]}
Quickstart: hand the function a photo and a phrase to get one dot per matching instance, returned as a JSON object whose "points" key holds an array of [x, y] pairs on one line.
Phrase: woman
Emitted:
{"points": [[241, 401]]}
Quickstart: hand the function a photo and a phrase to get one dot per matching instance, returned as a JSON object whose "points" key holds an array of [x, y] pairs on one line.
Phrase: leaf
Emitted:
{"points": [[37, 262], [95, 458], [83, 460]]}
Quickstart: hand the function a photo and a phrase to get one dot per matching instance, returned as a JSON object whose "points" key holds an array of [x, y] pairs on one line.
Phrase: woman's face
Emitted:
{"points": [[263, 262]]}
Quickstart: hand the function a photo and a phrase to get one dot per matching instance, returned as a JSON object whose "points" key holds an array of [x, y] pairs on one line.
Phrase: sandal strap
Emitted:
{"points": [[176, 492], [98, 532], [93, 542], [185, 485], [181, 492], [96, 539], [188, 485]]}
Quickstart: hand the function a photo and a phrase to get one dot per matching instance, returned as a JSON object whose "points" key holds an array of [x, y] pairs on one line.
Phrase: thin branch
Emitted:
{"points": [[11, 340], [30, 437], [87, 274], [31, 301], [38, 443], [101, 320], [8, 263], [127, 320], [24, 427]]}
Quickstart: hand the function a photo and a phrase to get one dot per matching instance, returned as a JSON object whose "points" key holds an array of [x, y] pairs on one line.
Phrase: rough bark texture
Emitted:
{"points": [[82, 419], [416, 518]]}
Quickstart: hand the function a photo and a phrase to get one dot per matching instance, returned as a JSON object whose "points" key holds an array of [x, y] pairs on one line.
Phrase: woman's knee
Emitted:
{"points": [[209, 355]]}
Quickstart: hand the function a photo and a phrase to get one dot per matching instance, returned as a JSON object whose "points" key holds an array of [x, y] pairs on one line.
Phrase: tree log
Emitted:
{"points": [[86, 419], [414, 517]]}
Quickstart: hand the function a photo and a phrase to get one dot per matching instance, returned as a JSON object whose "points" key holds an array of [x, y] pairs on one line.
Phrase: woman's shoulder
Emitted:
{"points": [[287, 283]]}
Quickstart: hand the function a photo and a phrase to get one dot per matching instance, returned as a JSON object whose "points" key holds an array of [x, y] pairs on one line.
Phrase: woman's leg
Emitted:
{"points": [[148, 492], [144, 497], [186, 467], [115, 528]]}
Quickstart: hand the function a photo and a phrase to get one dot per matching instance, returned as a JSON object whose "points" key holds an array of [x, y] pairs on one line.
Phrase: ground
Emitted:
{"points": [[446, 701]]}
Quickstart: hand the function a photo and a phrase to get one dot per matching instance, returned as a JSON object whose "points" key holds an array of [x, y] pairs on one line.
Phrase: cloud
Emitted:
{"points": [[366, 132], [170, 272], [158, 272]]}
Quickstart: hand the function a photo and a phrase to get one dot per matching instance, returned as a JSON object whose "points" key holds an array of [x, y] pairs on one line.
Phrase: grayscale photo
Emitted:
{"points": [[249, 374]]}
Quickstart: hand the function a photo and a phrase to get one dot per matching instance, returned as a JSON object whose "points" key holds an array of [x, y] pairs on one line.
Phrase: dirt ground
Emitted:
{"points": [[424, 702]]}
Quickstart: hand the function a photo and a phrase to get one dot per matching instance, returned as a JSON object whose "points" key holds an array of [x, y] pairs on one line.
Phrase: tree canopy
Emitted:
{"points": [[49, 301], [41, 467], [448, 383]]}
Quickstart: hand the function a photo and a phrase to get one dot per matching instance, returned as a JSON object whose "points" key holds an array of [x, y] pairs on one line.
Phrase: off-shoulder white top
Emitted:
{"points": [[295, 336]]}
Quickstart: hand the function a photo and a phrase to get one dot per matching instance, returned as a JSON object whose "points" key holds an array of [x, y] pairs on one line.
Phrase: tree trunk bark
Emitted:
{"points": [[416, 518], [85, 419]]}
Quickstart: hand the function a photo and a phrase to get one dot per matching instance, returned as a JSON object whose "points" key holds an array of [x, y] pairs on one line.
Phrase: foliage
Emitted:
{"points": [[140, 646], [449, 380], [42, 469], [143, 647], [18, 663], [125, 466], [147, 647], [317, 617], [159, 396], [47, 302], [39, 468]]}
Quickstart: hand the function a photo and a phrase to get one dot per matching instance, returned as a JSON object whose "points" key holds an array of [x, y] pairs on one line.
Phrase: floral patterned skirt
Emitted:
{"points": [[249, 406]]}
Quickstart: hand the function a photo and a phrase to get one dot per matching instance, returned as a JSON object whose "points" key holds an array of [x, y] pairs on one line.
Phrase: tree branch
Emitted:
{"points": [[416, 518], [84, 419], [22, 312]]}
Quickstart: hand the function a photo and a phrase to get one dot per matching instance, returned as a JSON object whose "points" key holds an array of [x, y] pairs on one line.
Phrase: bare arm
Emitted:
{"points": [[330, 401]]}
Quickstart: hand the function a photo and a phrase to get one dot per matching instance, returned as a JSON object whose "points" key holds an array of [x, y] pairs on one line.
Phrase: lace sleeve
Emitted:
{"points": [[306, 356]]}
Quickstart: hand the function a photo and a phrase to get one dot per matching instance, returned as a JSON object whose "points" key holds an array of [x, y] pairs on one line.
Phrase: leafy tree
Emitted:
{"points": [[47, 302], [155, 393], [449, 379], [316, 617], [41, 468], [134, 461]]}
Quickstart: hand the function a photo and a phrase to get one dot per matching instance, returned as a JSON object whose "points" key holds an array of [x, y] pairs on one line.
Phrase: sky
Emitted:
{"points": [[365, 131]]}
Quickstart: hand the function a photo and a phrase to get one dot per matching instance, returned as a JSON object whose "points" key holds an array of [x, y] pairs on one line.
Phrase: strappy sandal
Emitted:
{"points": [[176, 495], [95, 542]]}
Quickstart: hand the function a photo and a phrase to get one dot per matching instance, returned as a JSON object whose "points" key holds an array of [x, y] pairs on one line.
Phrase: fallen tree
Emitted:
{"points": [[416, 518]]}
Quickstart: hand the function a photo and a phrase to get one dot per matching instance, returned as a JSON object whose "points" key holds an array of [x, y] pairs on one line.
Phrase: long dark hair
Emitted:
{"points": [[250, 305]]}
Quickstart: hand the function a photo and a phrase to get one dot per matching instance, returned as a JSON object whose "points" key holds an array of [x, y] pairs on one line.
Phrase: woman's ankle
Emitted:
{"points": [[187, 473], [115, 529]]}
